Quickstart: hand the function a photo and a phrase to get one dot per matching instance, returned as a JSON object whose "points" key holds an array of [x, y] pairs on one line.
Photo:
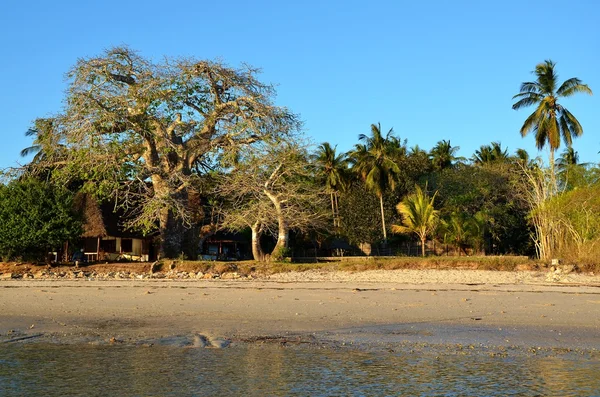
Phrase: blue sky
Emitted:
{"points": [[432, 70]]}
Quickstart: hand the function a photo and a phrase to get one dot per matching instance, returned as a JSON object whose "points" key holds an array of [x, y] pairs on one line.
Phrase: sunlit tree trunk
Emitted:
{"points": [[257, 251]]}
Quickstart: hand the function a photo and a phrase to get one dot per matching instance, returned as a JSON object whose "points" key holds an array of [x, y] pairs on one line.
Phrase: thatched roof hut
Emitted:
{"points": [[93, 221]]}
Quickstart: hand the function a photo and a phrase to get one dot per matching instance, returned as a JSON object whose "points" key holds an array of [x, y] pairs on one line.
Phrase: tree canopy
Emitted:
{"points": [[138, 130], [550, 121], [35, 217]]}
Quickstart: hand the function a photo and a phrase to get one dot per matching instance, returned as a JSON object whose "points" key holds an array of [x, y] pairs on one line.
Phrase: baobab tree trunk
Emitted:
{"points": [[169, 226], [257, 251], [171, 234]]}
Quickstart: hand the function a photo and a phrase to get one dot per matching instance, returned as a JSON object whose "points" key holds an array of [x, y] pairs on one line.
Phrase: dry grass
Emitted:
{"points": [[500, 263]]}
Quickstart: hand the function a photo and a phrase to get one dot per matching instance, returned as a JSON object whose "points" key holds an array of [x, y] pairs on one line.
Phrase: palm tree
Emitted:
{"points": [[443, 155], [333, 167], [418, 216], [487, 154], [570, 170], [568, 157], [522, 155], [374, 161], [456, 229], [550, 120], [43, 139]]}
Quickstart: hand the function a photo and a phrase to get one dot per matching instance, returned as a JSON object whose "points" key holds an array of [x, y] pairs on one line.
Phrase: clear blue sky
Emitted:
{"points": [[432, 70]]}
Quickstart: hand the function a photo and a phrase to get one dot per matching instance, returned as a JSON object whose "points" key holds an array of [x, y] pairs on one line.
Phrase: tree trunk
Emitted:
{"points": [[257, 251], [423, 246], [552, 173], [283, 228], [383, 219], [170, 227], [332, 208], [171, 235]]}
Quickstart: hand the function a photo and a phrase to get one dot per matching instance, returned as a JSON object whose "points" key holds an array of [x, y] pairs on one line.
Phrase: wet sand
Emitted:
{"points": [[321, 307]]}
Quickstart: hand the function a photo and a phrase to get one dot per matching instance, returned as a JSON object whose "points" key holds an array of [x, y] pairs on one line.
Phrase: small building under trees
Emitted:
{"points": [[105, 237]]}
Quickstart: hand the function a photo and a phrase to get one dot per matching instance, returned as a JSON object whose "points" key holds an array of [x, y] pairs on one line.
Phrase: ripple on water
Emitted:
{"points": [[84, 370]]}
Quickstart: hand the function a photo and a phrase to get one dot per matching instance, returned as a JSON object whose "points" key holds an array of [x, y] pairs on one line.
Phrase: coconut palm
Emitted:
{"points": [[568, 157], [455, 228], [373, 161], [522, 155], [443, 155], [550, 121], [487, 154], [333, 168], [43, 136], [570, 171], [418, 216]]}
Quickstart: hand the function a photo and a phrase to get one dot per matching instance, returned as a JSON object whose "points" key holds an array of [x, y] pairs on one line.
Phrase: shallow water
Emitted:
{"points": [[273, 370]]}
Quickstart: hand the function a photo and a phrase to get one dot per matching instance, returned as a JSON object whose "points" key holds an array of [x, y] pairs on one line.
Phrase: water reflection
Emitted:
{"points": [[54, 370]]}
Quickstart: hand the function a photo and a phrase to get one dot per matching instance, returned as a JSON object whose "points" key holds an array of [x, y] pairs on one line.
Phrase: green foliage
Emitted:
{"points": [[494, 191], [487, 154], [360, 214], [443, 155], [550, 121], [375, 161], [34, 218], [418, 215], [331, 167]]}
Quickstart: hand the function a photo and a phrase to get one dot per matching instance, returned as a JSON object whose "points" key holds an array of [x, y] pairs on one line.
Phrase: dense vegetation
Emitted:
{"points": [[35, 217], [197, 147]]}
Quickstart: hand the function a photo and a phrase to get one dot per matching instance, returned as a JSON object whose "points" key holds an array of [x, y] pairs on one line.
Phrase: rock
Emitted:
{"points": [[230, 276], [6, 276], [568, 269], [40, 274], [207, 276], [200, 341], [219, 343], [199, 275], [172, 266], [154, 267]]}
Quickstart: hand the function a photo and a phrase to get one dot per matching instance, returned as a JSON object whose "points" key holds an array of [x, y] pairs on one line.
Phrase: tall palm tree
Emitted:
{"points": [[333, 168], [550, 121], [374, 161], [443, 155], [418, 216]]}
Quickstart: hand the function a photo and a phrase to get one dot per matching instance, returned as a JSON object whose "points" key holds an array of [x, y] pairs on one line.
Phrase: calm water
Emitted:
{"points": [[271, 370]]}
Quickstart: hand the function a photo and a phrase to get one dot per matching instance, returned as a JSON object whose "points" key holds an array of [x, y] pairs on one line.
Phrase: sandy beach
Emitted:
{"points": [[493, 308]]}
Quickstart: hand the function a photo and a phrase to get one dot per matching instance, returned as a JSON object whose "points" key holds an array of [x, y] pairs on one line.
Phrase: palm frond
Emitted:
{"points": [[573, 86]]}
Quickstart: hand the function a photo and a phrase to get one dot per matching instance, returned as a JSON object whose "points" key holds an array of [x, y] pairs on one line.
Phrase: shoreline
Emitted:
{"points": [[317, 307]]}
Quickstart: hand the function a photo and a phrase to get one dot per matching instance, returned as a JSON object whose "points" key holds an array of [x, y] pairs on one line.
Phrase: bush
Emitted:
{"points": [[35, 217]]}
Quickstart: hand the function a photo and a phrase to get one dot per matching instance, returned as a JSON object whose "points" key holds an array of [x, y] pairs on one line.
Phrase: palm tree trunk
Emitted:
{"points": [[423, 246], [332, 208], [552, 173], [383, 219]]}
